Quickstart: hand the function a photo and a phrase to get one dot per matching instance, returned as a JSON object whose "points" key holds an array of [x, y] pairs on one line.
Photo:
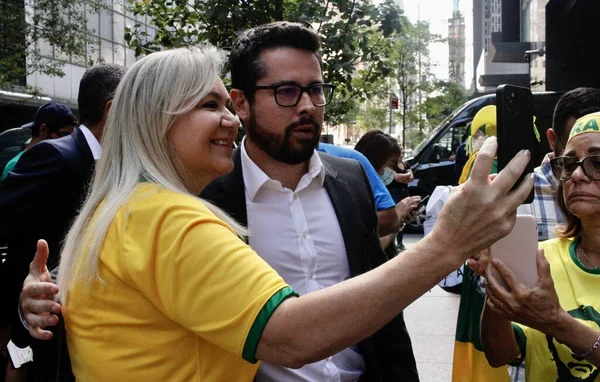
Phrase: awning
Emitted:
{"points": [[25, 99]]}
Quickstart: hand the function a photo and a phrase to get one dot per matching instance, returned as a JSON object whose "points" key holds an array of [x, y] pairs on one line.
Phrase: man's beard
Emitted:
{"points": [[281, 148]]}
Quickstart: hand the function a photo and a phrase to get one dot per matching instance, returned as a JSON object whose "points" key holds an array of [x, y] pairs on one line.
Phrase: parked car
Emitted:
{"points": [[432, 161]]}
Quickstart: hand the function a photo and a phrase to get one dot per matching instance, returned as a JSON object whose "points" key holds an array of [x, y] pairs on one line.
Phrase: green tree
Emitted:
{"points": [[373, 115], [26, 25], [354, 33], [412, 71], [450, 96]]}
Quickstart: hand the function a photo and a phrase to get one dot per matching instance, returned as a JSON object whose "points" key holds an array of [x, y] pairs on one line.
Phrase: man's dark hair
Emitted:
{"points": [[574, 104], [50, 129], [35, 131], [96, 88], [245, 65]]}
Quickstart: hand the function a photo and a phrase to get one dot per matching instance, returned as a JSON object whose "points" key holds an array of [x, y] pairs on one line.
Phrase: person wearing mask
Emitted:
{"points": [[387, 213], [380, 150], [147, 266]]}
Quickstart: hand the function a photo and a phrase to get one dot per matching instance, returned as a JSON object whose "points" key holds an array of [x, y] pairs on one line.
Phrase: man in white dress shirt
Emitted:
{"points": [[310, 216]]}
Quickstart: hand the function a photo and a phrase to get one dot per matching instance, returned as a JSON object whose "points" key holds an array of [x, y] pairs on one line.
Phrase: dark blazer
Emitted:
{"points": [[39, 200], [388, 354]]}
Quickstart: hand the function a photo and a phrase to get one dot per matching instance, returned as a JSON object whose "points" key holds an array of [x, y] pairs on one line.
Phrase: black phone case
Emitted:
{"points": [[514, 114]]}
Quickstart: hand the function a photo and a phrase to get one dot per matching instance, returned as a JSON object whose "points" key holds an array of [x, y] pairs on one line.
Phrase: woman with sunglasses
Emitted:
{"points": [[555, 326], [155, 283]]}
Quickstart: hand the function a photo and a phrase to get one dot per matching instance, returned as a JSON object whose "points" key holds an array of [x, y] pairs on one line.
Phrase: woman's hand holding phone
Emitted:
{"points": [[406, 206]]}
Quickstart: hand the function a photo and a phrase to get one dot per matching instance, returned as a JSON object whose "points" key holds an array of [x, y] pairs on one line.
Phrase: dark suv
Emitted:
{"points": [[432, 161]]}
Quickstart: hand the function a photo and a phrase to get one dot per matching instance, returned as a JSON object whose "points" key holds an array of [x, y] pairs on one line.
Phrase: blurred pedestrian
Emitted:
{"points": [[403, 175], [39, 200], [52, 120], [387, 214], [382, 151], [148, 267]]}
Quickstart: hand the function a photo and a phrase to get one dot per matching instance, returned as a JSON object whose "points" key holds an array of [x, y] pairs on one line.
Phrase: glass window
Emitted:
{"points": [[93, 20], [119, 6], [93, 52], [106, 24], [447, 145], [151, 33], [45, 48], [129, 23], [62, 56], [106, 51], [118, 28], [119, 51], [129, 57]]}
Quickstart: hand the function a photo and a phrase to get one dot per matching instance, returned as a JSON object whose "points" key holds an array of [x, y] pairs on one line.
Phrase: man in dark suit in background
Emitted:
{"points": [[52, 121], [311, 216], [39, 199]]}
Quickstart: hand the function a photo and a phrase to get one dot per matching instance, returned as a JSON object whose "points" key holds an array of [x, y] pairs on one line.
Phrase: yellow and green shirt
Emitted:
{"points": [[578, 289], [182, 297]]}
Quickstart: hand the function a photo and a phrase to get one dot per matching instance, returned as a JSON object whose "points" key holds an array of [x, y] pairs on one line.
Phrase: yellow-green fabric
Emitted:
{"points": [[577, 287], [470, 364], [466, 172], [484, 121], [587, 124], [182, 298]]}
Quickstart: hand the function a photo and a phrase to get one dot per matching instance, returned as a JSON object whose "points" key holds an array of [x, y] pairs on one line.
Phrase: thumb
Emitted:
{"points": [[543, 270], [38, 265]]}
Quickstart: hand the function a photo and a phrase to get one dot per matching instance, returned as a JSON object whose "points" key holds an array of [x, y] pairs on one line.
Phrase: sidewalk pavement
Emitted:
{"points": [[431, 323]]}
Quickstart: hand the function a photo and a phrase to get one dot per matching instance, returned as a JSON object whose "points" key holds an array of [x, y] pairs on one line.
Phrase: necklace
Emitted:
{"points": [[580, 247]]}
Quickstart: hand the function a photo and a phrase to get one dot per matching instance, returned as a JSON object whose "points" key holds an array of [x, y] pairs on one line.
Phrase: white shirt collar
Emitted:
{"points": [[255, 178], [92, 142]]}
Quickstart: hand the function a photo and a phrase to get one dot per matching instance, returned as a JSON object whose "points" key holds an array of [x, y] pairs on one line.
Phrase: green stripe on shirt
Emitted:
{"points": [[521, 342], [249, 352]]}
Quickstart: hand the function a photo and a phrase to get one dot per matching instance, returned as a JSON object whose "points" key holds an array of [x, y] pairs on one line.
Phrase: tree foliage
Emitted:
{"points": [[450, 96], [27, 25], [373, 115], [412, 71], [355, 34]]}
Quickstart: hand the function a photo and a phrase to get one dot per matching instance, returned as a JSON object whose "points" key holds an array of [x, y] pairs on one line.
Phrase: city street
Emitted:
{"points": [[431, 322]]}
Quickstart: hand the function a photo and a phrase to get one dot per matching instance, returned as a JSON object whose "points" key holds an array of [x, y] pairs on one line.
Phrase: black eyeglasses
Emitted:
{"points": [[564, 167], [288, 95]]}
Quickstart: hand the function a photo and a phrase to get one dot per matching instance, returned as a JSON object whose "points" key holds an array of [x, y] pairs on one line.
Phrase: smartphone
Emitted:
{"points": [[422, 204], [514, 118], [518, 251]]}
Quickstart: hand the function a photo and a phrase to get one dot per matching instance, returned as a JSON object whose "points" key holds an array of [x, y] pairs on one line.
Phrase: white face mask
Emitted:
{"points": [[388, 176], [478, 140]]}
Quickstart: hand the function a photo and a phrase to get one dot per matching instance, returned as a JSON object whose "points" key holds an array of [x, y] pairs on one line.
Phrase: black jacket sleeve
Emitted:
{"points": [[392, 346], [31, 199]]}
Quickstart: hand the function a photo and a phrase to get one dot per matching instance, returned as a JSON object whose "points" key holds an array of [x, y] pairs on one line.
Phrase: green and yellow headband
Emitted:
{"points": [[587, 124]]}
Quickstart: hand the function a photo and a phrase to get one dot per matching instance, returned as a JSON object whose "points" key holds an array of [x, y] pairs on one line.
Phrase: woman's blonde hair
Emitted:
{"points": [[153, 93]]}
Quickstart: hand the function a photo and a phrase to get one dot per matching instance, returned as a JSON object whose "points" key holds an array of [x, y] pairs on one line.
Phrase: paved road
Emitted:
{"points": [[431, 322]]}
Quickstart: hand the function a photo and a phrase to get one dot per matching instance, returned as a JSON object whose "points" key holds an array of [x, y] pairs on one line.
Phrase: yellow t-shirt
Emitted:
{"points": [[577, 287], [183, 298]]}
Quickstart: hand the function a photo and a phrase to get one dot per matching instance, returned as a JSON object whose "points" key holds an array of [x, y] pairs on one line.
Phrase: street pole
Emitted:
{"points": [[390, 117]]}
